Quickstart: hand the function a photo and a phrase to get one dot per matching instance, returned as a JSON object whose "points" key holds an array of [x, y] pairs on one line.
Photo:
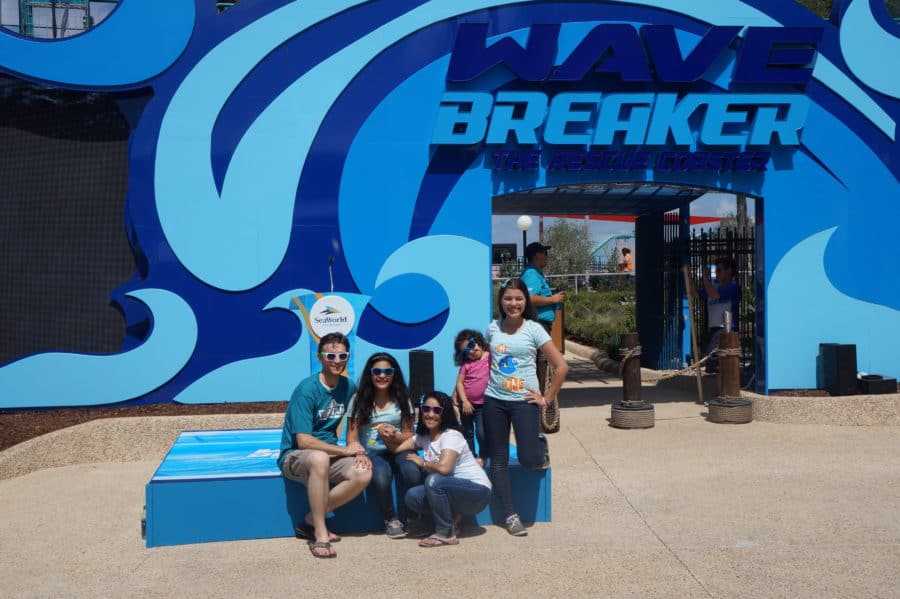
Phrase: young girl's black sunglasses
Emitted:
{"points": [[472, 344]]}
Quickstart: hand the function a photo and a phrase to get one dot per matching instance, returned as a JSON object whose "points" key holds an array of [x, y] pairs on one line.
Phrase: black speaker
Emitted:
{"points": [[875, 384], [836, 368], [421, 373]]}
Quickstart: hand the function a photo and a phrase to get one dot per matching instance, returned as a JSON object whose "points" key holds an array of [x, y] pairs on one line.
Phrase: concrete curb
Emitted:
{"points": [[582, 351], [848, 410], [114, 440]]}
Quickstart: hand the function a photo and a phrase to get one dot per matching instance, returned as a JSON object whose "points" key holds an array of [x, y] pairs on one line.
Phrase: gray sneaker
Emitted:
{"points": [[515, 527], [394, 529]]}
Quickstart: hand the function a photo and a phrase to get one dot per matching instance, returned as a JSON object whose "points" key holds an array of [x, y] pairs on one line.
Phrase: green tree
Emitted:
{"points": [[571, 251], [613, 259], [823, 7], [819, 7]]}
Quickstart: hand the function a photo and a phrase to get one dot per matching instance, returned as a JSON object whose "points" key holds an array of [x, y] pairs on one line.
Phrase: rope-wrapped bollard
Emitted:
{"points": [[729, 407], [632, 412]]}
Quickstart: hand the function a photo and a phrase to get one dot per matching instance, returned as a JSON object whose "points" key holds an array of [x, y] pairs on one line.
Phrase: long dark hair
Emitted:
{"points": [[448, 416], [364, 404], [466, 335], [516, 283]]}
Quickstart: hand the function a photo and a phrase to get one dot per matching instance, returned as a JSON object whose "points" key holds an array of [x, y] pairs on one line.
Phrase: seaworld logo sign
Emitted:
{"points": [[332, 314], [768, 56]]}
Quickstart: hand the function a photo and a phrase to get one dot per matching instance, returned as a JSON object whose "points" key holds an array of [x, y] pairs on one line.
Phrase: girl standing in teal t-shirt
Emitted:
{"points": [[513, 398]]}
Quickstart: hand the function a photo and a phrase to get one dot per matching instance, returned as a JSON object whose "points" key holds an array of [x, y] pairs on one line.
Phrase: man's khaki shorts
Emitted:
{"points": [[296, 466]]}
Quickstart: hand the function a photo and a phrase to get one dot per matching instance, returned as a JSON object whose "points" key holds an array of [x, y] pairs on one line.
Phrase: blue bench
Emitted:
{"points": [[226, 486]]}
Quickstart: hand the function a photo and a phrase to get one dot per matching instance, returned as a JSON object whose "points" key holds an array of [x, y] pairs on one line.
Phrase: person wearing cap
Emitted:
{"points": [[545, 302]]}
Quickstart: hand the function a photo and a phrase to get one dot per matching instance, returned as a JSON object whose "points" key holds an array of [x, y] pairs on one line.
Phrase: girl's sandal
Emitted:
{"points": [[430, 542]]}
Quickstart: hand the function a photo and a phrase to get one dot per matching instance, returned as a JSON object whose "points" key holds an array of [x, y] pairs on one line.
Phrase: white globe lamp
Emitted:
{"points": [[524, 223]]}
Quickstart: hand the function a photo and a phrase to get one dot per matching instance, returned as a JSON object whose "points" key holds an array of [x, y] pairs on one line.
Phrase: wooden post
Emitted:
{"points": [[632, 412], [729, 408], [730, 365], [631, 371], [558, 329]]}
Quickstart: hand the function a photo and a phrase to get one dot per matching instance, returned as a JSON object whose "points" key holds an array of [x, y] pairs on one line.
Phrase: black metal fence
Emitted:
{"points": [[706, 246], [671, 356]]}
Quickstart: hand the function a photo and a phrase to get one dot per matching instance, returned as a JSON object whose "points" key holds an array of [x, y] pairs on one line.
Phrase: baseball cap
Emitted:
{"points": [[535, 248]]}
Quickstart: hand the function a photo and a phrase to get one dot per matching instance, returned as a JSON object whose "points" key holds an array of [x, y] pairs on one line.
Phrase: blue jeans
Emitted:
{"points": [[442, 497], [385, 468], [473, 428], [531, 446]]}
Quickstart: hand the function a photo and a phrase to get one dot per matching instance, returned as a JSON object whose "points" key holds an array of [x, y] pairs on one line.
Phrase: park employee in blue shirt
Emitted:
{"points": [[545, 302], [310, 454]]}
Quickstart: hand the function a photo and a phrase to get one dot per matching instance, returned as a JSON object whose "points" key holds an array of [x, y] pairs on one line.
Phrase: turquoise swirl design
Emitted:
{"points": [[138, 41], [866, 46], [795, 334], [268, 378], [235, 240], [440, 257], [217, 237], [84, 380]]}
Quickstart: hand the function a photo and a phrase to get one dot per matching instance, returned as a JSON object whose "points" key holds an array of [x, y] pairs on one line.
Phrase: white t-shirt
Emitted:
{"points": [[466, 467]]}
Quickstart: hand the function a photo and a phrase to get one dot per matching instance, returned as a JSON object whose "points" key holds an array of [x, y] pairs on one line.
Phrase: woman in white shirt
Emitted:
{"points": [[455, 485]]}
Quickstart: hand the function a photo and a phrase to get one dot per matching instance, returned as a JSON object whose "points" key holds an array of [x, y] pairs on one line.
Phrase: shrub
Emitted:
{"points": [[598, 318]]}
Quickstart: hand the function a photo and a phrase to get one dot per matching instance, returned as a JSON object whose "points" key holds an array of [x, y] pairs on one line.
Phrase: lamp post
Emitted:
{"points": [[524, 223]]}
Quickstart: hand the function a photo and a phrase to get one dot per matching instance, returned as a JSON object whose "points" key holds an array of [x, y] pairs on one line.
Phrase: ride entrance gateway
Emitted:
{"points": [[282, 153]]}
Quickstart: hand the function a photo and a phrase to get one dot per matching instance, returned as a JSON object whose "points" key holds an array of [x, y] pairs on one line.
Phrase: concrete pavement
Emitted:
{"points": [[686, 509]]}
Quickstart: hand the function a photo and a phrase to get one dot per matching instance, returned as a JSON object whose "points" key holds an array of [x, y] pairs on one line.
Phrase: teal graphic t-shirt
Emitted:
{"points": [[368, 435], [514, 359], [315, 410]]}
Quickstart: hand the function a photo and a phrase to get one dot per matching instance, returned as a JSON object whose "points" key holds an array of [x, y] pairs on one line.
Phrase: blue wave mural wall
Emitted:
{"points": [[286, 135]]}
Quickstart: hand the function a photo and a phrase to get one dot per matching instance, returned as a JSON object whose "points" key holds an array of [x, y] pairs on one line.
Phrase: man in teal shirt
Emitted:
{"points": [[545, 302], [310, 454]]}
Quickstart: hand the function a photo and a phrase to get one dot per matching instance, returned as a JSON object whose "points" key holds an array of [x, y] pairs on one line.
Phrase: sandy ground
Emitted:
{"points": [[685, 509]]}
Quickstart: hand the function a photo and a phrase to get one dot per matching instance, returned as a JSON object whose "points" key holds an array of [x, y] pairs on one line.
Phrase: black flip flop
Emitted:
{"points": [[313, 545], [308, 532]]}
